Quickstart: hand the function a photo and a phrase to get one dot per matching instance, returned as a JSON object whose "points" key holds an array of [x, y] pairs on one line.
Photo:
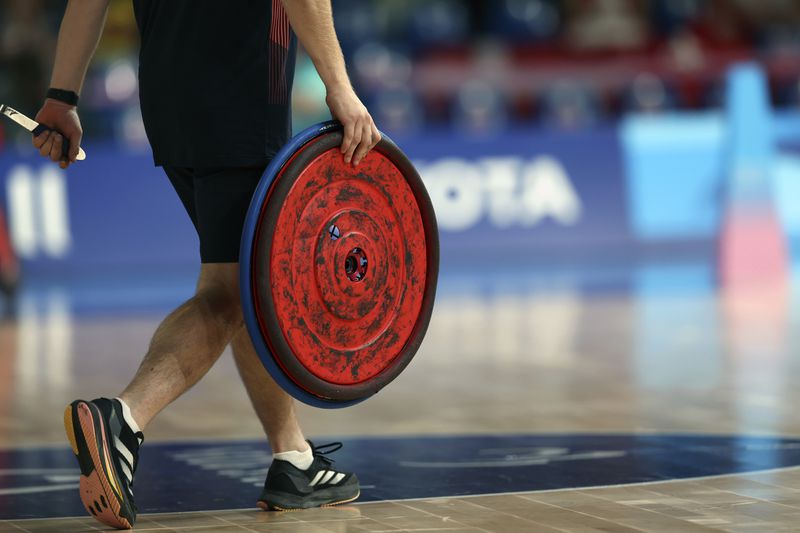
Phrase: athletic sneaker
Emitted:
{"points": [[287, 487], [108, 451]]}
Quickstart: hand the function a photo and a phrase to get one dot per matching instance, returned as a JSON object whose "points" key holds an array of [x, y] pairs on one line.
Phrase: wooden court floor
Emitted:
{"points": [[547, 360]]}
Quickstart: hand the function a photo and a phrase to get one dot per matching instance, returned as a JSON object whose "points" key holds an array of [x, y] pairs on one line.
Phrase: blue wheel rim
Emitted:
{"points": [[246, 268]]}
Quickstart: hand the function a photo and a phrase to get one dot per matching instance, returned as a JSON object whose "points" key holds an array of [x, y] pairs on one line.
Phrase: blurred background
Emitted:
{"points": [[555, 128], [587, 139], [617, 187]]}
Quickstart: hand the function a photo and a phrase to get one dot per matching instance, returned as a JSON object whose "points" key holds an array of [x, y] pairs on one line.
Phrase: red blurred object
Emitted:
{"points": [[753, 249], [9, 264]]}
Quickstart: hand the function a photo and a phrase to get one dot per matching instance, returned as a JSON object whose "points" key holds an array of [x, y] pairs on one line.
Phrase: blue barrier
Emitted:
{"points": [[646, 181]]}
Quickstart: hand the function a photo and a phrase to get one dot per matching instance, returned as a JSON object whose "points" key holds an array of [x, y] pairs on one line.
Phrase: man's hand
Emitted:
{"points": [[360, 132], [63, 118], [312, 21], [77, 39]]}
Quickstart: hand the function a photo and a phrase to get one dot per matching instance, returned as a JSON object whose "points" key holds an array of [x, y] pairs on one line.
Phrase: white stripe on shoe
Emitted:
{"points": [[123, 450], [328, 475], [324, 477], [126, 471], [317, 477]]}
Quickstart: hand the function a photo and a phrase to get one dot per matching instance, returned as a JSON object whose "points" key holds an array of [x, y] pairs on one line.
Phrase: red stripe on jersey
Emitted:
{"points": [[279, 36], [279, 29]]}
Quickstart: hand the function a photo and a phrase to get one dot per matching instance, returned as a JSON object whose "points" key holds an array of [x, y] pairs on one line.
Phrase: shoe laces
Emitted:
{"points": [[323, 450]]}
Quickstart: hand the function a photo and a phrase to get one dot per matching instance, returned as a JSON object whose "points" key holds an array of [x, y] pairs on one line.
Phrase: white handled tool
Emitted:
{"points": [[36, 128]]}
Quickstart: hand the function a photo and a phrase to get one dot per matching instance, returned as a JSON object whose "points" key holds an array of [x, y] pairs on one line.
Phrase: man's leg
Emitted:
{"points": [[105, 434], [299, 477], [274, 407], [187, 343]]}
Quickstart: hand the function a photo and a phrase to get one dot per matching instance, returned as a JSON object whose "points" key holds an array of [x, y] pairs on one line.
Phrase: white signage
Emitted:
{"points": [[508, 191], [38, 214]]}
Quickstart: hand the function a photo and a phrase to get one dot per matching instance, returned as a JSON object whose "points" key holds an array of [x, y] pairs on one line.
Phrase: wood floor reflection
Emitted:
{"points": [[504, 361]]}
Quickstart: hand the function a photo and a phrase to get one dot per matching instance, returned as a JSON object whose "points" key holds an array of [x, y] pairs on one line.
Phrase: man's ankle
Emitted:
{"points": [[127, 414], [288, 441], [301, 460]]}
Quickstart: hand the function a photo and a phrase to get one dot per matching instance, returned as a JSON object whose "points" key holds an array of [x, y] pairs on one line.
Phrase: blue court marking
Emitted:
{"points": [[228, 474]]}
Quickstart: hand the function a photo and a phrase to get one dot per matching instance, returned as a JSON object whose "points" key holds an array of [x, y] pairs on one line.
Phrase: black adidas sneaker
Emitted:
{"points": [[287, 487], [108, 451]]}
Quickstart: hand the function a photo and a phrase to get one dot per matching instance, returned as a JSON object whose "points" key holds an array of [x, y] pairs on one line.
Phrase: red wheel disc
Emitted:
{"points": [[345, 266]]}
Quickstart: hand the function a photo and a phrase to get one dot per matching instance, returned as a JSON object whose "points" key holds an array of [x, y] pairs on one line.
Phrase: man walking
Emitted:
{"points": [[215, 82]]}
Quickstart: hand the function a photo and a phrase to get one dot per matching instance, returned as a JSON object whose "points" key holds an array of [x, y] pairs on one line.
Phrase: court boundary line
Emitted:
{"points": [[464, 496]]}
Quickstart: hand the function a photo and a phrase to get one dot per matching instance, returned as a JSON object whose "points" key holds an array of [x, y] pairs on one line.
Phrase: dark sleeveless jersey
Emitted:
{"points": [[215, 80]]}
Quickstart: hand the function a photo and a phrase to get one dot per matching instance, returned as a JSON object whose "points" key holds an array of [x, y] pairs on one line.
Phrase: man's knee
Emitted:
{"points": [[218, 289]]}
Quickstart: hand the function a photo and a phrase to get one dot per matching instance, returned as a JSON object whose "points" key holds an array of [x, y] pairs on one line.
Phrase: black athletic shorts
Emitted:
{"points": [[215, 80], [216, 199]]}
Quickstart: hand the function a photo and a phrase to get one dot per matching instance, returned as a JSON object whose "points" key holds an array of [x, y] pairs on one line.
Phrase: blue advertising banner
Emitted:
{"points": [[523, 191], [114, 210], [544, 193], [526, 190]]}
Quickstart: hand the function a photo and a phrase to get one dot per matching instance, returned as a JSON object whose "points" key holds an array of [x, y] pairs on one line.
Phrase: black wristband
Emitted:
{"points": [[68, 97]]}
